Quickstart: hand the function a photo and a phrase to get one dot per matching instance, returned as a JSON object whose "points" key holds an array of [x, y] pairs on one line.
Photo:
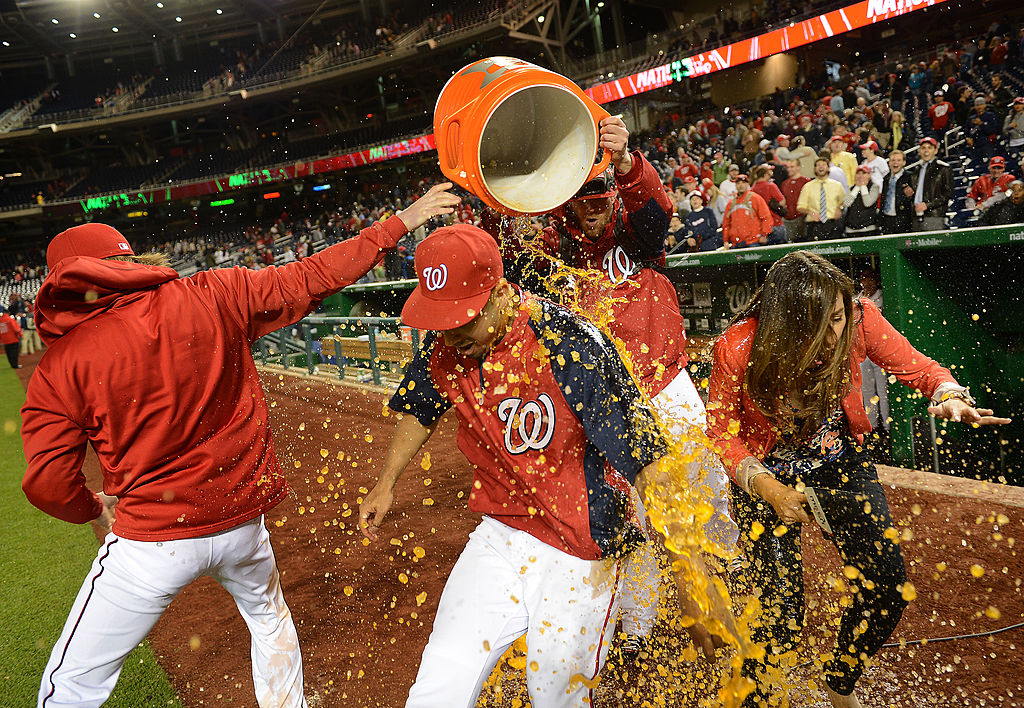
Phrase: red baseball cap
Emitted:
{"points": [[836, 137], [457, 267], [997, 160], [864, 168], [869, 145], [93, 240], [932, 141]]}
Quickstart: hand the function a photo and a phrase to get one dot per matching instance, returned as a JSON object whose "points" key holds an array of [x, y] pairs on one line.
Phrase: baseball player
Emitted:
{"points": [[543, 401], [616, 224], [156, 373]]}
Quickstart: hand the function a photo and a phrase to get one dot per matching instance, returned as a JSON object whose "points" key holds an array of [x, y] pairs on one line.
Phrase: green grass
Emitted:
{"points": [[42, 566]]}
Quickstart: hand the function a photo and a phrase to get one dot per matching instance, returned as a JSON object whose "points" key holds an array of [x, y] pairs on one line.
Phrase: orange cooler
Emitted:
{"points": [[520, 137]]}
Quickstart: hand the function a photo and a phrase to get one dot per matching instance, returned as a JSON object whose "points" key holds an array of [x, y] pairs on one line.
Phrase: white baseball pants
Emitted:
{"points": [[505, 584], [130, 585], [678, 406]]}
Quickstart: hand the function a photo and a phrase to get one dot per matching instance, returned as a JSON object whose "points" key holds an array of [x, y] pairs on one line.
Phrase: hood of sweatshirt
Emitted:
{"points": [[81, 288]]}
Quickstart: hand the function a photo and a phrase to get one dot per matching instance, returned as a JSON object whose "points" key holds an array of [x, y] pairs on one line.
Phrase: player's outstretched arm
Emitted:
{"points": [[409, 437]]}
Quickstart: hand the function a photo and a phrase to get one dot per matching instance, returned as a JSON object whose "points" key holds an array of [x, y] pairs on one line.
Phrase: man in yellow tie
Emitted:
{"points": [[821, 201]]}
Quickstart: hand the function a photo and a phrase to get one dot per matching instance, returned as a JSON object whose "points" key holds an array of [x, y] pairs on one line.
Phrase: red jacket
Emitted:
{"points": [[739, 429], [10, 332], [747, 219], [985, 187], [156, 372]]}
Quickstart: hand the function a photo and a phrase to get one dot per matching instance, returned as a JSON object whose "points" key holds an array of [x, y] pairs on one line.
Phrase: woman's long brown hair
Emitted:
{"points": [[793, 308]]}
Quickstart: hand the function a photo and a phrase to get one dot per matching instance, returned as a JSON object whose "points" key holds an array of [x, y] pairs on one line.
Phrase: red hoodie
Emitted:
{"points": [[156, 372]]}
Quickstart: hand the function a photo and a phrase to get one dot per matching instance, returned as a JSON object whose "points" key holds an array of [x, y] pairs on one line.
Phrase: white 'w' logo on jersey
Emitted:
{"points": [[617, 265], [534, 425]]}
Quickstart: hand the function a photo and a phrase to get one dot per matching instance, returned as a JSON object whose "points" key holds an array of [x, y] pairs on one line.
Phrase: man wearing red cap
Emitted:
{"points": [[870, 158], [841, 158], [992, 188], [545, 406], [939, 114], [748, 220], [156, 373]]}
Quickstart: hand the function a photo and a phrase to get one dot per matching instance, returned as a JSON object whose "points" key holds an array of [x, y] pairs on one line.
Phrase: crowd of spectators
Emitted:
{"points": [[739, 177]]}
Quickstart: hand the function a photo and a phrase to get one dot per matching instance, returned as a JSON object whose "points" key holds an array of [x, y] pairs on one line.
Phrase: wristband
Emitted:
{"points": [[750, 483], [964, 395]]}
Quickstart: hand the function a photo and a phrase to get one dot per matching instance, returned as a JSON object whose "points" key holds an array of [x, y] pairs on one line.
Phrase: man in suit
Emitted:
{"points": [[897, 207], [933, 188]]}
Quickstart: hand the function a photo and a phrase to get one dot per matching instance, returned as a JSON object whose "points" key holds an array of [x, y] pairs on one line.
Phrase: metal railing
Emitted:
{"points": [[315, 327]]}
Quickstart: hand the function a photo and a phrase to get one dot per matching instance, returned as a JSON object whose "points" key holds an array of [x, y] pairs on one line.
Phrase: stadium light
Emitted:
{"points": [[6, 43], [219, 11], [96, 15], [114, 29], [160, 5], [177, 19], [73, 35], [54, 20], [540, 19]]}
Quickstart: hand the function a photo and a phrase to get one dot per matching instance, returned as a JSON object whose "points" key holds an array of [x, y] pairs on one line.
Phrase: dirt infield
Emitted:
{"points": [[364, 612]]}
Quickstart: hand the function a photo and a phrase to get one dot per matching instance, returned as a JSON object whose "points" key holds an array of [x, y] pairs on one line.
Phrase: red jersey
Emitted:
{"points": [[538, 420], [157, 374], [647, 320], [940, 113], [630, 245], [688, 170], [791, 191], [768, 190]]}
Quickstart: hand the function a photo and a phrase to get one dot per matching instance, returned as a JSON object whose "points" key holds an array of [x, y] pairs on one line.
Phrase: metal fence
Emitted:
{"points": [[284, 348]]}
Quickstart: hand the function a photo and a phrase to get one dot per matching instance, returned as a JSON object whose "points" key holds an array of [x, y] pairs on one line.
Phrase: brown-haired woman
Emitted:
{"points": [[786, 413]]}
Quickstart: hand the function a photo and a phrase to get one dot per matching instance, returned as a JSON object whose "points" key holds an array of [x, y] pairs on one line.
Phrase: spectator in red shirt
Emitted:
{"points": [[686, 168], [940, 114], [748, 220], [990, 189], [794, 221], [765, 188], [10, 337], [997, 52]]}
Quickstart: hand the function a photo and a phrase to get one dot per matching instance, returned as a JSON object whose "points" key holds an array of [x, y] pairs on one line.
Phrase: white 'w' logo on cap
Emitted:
{"points": [[435, 278]]}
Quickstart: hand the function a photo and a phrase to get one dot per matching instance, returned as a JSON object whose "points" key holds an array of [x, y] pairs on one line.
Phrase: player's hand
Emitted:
{"points": [[908, 192], [107, 516], [371, 512], [614, 137], [787, 502], [438, 201], [957, 410], [704, 632]]}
